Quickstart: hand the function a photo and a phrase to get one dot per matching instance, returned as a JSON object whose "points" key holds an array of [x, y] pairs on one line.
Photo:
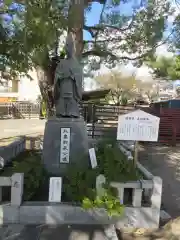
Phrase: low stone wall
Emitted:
{"points": [[45, 213], [16, 182], [7, 153], [136, 216]]}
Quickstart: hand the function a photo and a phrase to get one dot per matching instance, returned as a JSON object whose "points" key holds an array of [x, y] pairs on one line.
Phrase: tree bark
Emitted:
{"points": [[45, 86], [76, 23]]}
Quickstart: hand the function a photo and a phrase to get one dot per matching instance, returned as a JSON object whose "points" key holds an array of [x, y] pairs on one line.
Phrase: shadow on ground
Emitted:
{"points": [[85, 232], [164, 161]]}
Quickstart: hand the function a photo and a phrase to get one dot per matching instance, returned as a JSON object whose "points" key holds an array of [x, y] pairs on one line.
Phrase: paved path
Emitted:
{"points": [[86, 232], [64, 232], [16, 127], [164, 161]]}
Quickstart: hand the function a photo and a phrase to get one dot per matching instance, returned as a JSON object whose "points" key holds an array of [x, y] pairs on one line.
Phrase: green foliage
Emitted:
{"points": [[79, 186], [166, 67], [114, 165], [107, 201], [161, 66], [36, 26], [44, 109], [80, 180], [174, 71], [124, 100], [30, 164]]}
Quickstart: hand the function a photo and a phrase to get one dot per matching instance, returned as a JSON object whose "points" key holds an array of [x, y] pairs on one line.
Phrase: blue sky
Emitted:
{"points": [[93, 18], [94, 15]]}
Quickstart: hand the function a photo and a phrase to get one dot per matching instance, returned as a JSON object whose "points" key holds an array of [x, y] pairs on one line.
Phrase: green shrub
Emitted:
{"points": [[80, 180], [30, 164], [80, 187], [114, 165]]}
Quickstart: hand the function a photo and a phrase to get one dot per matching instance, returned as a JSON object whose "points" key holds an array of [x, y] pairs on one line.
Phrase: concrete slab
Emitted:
{"points": [[55, 214], [73, 232]]}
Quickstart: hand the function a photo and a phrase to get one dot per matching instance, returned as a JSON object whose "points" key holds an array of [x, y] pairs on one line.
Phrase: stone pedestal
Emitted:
{"points": [[52, 147]]}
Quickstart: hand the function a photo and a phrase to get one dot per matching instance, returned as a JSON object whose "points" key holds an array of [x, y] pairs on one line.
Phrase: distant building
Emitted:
{"points": [[21, 88], [8, 88]]}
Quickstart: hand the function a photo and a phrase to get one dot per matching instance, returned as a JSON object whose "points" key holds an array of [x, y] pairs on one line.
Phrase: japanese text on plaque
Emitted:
{"points": [[65, 145]]}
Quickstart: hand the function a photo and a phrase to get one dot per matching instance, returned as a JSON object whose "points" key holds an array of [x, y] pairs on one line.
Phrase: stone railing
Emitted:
{"points": [[7, 153], [135, 216], [16, 182], [144, 210], [138, 214]]}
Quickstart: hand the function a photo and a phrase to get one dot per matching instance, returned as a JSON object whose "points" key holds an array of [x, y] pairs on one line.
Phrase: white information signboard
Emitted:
{"points": [[65, 145], [138, 126], [92, 156], [55, 188]]}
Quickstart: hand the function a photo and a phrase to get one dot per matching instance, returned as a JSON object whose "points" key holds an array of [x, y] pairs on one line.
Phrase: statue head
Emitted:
{"points": [[70, 45]]}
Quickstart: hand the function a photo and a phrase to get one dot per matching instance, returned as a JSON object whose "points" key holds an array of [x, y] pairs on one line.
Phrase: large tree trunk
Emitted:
{"points": [[45, 85], [76, 23]]}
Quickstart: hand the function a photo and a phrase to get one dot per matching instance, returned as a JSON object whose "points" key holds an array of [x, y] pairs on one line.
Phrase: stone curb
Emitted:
{"points": [[52, 214]]}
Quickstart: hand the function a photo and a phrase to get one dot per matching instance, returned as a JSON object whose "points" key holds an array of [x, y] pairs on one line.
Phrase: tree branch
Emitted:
{"points": [[101, 27], [98, 1], [90, 30], [102, 53], [99, 53]]}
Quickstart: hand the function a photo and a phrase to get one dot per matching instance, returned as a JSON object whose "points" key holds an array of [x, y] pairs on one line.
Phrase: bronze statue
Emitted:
{"points": [[68, 83]]}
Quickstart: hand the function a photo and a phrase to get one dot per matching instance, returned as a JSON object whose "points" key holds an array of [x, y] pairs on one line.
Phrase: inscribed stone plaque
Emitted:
{"points": [[55, 188], [65, 145], [93, 159]]}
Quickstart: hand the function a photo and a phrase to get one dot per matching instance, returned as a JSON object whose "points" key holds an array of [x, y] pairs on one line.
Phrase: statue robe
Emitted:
{"points": [[68, 88]]}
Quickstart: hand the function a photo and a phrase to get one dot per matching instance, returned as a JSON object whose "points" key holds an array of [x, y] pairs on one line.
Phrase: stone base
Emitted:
{"points": [[31, 213], [52, 143]]}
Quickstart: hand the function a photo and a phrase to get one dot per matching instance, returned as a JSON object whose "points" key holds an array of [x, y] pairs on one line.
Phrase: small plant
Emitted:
{"points": [[107, 201]]}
